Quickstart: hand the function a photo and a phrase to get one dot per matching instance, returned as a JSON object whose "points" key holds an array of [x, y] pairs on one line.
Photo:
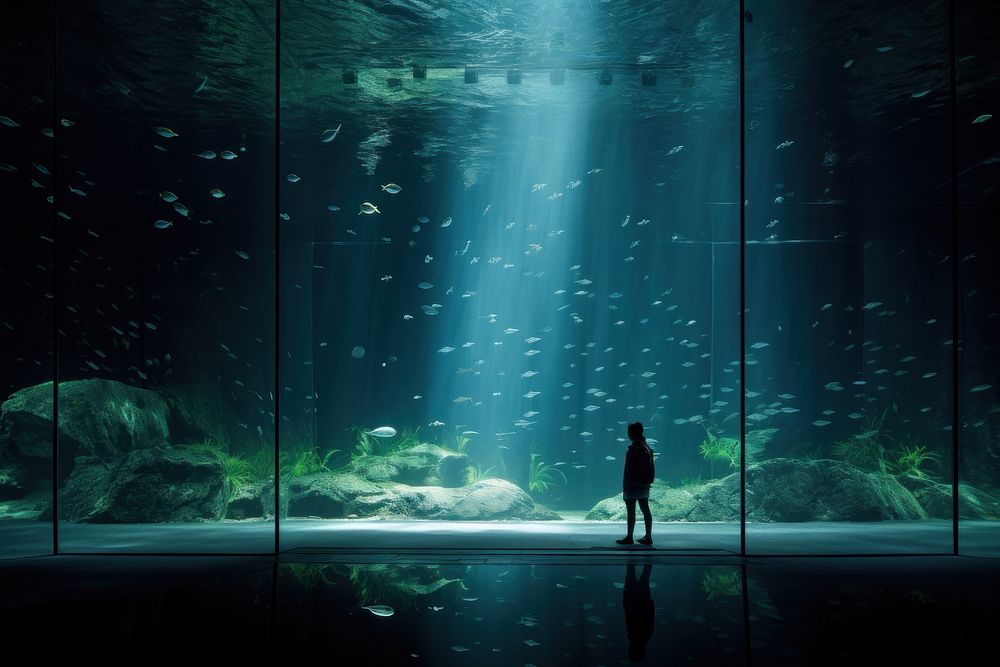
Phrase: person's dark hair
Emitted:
{"points": [[635, 432]]}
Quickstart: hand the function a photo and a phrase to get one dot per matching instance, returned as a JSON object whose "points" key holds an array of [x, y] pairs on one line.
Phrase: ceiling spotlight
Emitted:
{"points": [[649, 78], [604, 77], [394, 82], [557, 77], [471, 75], [350, 76], [513, 76], [420, 71]]}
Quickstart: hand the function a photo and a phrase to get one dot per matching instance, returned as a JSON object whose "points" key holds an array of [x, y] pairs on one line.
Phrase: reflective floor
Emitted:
{"points": [[501, 610], [883, 537]]}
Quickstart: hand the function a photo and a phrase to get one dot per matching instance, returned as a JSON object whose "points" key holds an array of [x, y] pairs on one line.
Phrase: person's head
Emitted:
{"points": [[635, 432]]}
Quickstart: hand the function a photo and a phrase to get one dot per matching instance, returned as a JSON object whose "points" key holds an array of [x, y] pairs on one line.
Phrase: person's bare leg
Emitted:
{"points": [[647, 519], [629, 521]]}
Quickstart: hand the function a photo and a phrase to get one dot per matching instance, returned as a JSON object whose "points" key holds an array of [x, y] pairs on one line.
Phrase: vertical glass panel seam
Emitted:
{"points": [[277, 273], [55, 277], [955, 292], [743, 250]]}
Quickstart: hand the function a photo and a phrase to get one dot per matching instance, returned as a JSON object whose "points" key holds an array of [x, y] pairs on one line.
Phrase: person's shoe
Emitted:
{"points": [[646, 540], [625, 540]]}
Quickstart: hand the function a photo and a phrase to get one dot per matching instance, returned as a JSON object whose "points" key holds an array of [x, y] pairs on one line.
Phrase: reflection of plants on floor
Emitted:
{"points": [[310, 575], [864, 449], [397, 585], [719, 581], [541, 477]]}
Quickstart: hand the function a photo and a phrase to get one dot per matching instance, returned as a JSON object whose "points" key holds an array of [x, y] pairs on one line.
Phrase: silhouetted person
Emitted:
{"points": [[636, 481], [639, 611]]}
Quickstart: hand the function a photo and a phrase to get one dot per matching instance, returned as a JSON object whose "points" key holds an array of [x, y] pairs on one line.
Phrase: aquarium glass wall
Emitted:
{"points": [[27, 127], [166, 266], [438, 256], [508, 231], [979, 322], [848, 277]]}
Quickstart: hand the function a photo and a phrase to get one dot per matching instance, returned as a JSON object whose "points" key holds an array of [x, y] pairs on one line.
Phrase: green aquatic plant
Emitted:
{"points": [[719, 581], [714, 448], [691, 481], [913, 459], [721, 448], [366, 444], [461, 441], [812, 454], [261, 465], [542, 476], [409, 437], [477, 474], [308, 461], [864, 449], [236, 472]]}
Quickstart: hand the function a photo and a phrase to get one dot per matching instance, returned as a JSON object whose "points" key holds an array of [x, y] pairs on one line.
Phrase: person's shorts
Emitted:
{"points": [[635, 494]]}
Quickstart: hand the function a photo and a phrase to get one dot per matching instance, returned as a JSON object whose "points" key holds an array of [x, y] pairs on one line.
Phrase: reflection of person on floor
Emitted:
{"points": [[639, 612], [636, 481]]}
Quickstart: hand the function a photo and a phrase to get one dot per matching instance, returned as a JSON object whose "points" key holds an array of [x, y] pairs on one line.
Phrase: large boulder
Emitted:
{"points": [[13, 481], [339, 494], [256, 501], [713, 501], [786, 490], [200, 411], [98, 418], [935, 498], [421, 465], [825, 490], [146, 486]]}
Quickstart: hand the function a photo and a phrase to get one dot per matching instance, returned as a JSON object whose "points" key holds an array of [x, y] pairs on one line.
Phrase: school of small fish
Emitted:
{"points": [[513, 374]]}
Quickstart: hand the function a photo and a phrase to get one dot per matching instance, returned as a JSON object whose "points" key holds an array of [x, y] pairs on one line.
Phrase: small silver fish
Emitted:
{"points": [[329, 135]]}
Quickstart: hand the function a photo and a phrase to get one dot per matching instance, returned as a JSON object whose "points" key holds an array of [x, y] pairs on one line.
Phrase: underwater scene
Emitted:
{"points": [[446, 252]]}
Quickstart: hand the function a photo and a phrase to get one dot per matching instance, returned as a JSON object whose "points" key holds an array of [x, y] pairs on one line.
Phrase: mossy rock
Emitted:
{"points": [[786, 490], [790, 490], [935, 498], [146, 486], [342, 494], [421, 465], [14, 481], [97, 418]]}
